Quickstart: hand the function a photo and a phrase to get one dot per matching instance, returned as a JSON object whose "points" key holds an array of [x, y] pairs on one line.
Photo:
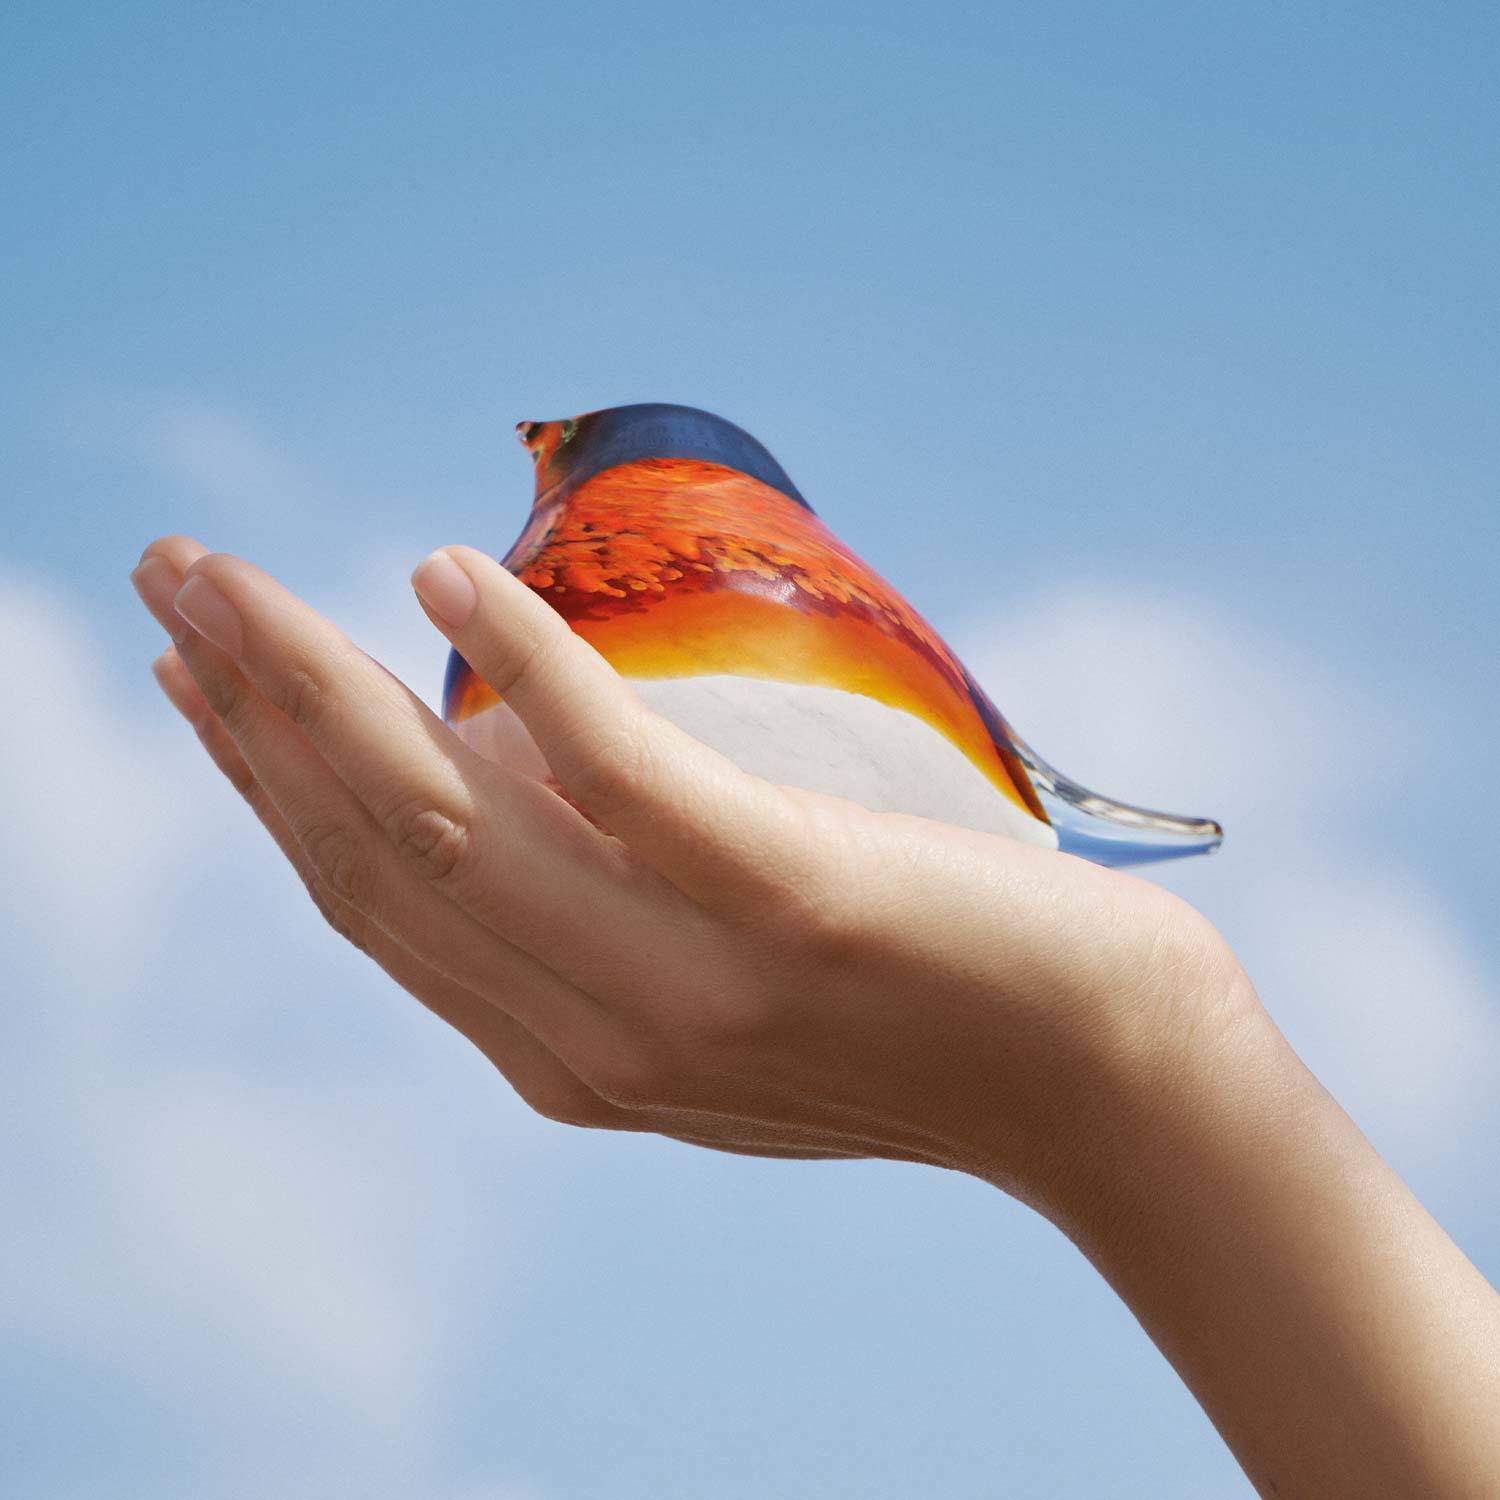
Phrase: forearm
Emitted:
{"points": [[1338, 1339]]}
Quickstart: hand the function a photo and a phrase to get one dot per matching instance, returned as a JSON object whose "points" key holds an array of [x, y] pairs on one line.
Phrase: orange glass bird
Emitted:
{"points": [[676, 545]]}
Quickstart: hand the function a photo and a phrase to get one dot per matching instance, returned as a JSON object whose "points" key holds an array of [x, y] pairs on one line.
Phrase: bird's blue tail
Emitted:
{"points": [[1109, 832]]}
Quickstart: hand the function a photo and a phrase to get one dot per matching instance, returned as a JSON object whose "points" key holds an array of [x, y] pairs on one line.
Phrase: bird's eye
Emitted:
{"points": [[566, 430]]}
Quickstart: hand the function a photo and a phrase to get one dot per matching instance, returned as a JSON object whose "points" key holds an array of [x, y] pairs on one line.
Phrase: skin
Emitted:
{"points": [[656, 941]]}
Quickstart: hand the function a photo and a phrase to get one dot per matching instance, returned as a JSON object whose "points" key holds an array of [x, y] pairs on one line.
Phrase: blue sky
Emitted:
{"points": [[1150, 350]]}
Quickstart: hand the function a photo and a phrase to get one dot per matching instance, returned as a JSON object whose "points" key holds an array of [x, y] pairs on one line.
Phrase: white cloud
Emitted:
{"points": [[211, 451], [1174, 699], [248, 1240], [1176, 705], [1377, 983], [221, 454], [93, 815]]}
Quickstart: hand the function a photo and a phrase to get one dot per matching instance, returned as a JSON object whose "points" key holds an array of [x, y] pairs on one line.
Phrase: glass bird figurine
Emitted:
{"points": [[678, 547]]}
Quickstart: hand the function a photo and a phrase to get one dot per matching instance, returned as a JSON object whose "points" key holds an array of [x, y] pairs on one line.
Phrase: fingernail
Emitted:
{"points": [[445, 588], [210, 614], [156, 581]]}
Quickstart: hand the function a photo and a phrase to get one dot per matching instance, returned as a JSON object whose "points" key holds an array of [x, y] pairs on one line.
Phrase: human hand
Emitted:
{"points": [[662, 942]]}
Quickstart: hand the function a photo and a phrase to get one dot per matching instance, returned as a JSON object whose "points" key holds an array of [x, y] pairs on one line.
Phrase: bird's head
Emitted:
{"points": [[547, 443]]}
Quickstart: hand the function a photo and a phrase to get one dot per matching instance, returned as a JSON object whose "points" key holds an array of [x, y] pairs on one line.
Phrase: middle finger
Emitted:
{"points": [[500, 846]]}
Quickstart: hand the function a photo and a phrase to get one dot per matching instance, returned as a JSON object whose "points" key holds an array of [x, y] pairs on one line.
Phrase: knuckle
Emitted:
{"points": [[212, 736], [336, 914], [609, 776], [300, 697], [242, 779], [227, 694], [521, 666], [339, 865], [436, 845]]}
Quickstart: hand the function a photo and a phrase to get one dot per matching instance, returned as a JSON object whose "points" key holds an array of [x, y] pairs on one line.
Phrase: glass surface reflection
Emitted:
{"points": [[675, 544]]}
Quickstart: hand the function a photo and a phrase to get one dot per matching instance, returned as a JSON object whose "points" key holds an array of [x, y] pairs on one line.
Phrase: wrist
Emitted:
{"points": [[1220, 1085], [1158, 1056]]}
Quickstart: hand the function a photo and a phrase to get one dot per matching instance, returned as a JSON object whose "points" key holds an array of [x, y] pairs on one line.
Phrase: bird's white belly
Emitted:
{"points": [[819, 738]]}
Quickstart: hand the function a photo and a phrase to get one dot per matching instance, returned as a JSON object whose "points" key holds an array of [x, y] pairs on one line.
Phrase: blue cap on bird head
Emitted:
{"points": [[577, 448]]}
